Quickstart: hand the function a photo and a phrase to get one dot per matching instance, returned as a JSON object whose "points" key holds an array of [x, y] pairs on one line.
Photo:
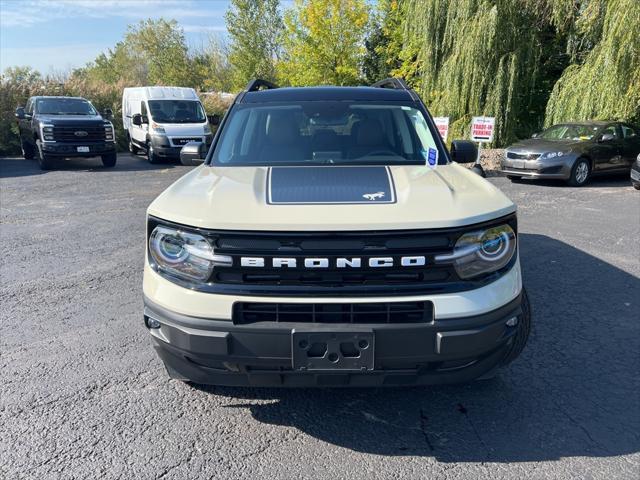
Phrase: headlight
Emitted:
{"points": [[108, 131], [47, 132], [207, 129], [188, 256], [553, 155], [157, 128], [481, 252]]}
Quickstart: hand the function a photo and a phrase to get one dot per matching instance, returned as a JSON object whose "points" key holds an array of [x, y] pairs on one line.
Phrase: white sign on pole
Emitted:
{"points": [[482, 129], [442, 123]]}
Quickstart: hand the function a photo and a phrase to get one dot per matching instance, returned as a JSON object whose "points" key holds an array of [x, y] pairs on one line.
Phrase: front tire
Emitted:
{"points": [[580, 173], [45, 161], [28, 151], [109, 160], [152, 157], [132, 148], [636, 186]]}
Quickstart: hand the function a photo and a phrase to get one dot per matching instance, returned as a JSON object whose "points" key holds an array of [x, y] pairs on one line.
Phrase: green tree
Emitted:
{"points": [[324, 42], [255, 27], [603, 82], [212, 64]]}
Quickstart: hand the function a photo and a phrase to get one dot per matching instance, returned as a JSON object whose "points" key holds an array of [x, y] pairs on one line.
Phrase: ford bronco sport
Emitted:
{"points": [[64, 127], [330, 239]]}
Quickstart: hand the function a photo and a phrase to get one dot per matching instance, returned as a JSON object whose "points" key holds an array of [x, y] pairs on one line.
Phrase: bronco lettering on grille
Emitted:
{"points": [[315, 262]]}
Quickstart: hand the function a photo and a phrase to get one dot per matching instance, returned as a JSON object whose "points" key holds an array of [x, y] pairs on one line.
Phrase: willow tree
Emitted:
{"points": [[605, 84], [480, 57]]}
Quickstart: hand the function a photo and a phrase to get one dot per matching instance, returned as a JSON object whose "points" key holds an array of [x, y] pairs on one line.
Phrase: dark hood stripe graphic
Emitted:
{"points": [[329, 185]]}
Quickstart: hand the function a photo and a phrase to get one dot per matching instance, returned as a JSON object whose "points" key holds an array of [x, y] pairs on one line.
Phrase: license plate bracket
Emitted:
{"points": [[332, 350], [83, 149]]}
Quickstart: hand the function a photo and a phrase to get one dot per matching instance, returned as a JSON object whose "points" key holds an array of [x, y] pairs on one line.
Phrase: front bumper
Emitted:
{"points": [[163, 146], [213, 351], [71, 149], [635, 174], [548, 168]]}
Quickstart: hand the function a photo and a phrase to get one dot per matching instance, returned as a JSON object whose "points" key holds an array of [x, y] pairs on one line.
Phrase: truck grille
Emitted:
{"points": [[359, 313], [73, 133], [334, 278]]}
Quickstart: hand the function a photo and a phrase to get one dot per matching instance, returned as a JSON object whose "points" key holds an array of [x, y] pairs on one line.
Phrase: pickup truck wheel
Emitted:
{"points": [[27, 150], [522, 332], [636, 186], [109, 160], [580, 173], [45, 161], [152, 157]]}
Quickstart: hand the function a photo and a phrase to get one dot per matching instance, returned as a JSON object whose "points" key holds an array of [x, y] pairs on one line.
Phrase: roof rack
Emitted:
{"points": [[394, 83], [259, 84]]}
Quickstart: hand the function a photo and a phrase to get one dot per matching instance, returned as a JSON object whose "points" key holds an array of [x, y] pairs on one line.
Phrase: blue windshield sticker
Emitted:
{"points": [[431, 157]]}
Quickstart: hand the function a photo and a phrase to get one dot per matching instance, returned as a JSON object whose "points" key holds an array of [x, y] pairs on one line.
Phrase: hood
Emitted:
{"points": [[241, 198], [70, 119], [538, 145]]}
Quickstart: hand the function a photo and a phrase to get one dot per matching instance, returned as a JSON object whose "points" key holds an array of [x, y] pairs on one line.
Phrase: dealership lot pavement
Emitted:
{"points": [[84, 396]]}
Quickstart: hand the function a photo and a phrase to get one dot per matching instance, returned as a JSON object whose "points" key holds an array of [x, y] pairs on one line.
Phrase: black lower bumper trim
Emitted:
{"points": [[210, 351]]}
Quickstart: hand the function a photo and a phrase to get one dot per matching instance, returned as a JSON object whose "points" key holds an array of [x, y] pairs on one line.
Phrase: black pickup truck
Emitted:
{"points": [[65, 127]]}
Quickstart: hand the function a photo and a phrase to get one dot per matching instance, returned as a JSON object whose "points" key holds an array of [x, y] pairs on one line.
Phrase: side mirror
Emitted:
{"points": [[138, 119], [107, 114], [464, 151], [193, 153], [214, 119], [606, 137], [20, 115]]}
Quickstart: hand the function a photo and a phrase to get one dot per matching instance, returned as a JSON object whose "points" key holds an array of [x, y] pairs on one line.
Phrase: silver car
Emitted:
{"points": [[574, 152]]}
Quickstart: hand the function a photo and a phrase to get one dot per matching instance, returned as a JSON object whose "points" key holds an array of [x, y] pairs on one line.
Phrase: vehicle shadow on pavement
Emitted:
{"points": [[573, 392], [19, 167]]}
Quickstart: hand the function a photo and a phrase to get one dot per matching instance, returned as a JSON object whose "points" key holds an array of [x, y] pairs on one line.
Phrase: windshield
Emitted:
{"points": [[64, 106], [570, 132], [332, 132], [176, 111]]}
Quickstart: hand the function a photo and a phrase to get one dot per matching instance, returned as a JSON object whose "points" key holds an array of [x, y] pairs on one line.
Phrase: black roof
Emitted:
{"points": [[290, 94]]}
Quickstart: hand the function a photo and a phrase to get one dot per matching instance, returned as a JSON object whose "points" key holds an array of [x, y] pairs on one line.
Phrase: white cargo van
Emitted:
{"points": [[161, 120]]}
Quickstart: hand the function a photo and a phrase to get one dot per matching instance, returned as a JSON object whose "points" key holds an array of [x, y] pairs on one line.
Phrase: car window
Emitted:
{"points": [[176, 111], [570, 132], [611, 130], [628, 132], [29, 108], [64, 106], [143, 109], [331, 132]]}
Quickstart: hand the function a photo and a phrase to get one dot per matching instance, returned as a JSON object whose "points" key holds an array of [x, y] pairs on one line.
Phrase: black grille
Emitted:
{"points": [[360, 313], [79, 133], [523, 156], [332, 247], [337, 278]]}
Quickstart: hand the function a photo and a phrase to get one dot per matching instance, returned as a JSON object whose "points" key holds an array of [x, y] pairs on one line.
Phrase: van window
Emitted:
{"points": [[176, 111]]}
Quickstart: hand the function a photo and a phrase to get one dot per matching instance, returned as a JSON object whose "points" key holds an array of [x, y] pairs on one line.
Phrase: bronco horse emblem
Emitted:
{"points": [[373, 196]]}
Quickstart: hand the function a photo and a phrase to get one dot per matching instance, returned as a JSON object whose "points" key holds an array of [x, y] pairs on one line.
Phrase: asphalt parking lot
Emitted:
{"points": [[84, 396]]}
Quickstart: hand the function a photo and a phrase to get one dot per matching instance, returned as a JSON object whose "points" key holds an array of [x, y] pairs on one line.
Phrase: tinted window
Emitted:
{"points": [[628, 132], [176, 111], [331, 132], [569, 132], [64, 106], [610, 130]]}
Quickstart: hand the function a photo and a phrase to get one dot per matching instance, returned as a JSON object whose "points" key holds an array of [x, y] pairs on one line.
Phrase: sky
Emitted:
{"points": [[54, 36]]}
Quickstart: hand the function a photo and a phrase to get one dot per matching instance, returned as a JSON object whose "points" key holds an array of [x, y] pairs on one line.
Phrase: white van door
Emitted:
{"points": [[139, 132]]}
